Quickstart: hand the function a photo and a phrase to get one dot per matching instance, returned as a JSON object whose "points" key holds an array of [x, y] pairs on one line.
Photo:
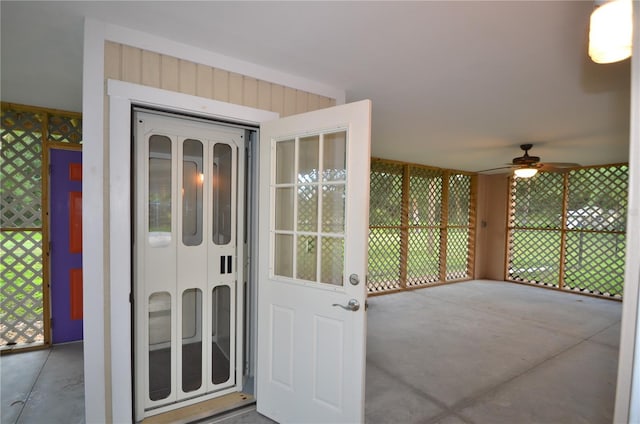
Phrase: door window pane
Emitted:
{"points": [[307, 258], [222, 172], [283, 255], [334, 156], [159, 190], [332, 254], [159, 345], [220, 334], [308, 159], [308, 208], [284, 209], [192, 180], [191, 340], [285, 159], [333, 208]]}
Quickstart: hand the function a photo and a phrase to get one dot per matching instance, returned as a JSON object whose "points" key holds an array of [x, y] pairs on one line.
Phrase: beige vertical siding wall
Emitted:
{"points": [[143, 67], [491, 241]]}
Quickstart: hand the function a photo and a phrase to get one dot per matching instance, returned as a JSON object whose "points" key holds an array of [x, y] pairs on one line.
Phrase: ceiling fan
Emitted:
{"points": [[526, 166]]}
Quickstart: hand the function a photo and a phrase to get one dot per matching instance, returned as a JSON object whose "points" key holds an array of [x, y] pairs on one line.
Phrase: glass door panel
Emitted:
{"points": [[192, 180], [191, 340], [220, 334], [160, 355]]}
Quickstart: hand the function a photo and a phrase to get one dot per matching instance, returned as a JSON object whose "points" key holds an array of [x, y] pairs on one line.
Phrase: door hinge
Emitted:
{"points": [[51, 323], [50, 169], [131, 299]]}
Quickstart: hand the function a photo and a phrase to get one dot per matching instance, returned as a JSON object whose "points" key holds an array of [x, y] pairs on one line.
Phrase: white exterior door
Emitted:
{"points": [[313, 230]]}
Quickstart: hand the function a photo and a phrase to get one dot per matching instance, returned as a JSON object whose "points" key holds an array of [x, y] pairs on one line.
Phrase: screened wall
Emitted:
{"points": [[568, 230], [421, 226], [26, 133]]}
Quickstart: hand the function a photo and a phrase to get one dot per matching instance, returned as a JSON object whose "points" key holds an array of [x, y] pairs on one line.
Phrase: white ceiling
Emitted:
{"points": [[454, 84]]}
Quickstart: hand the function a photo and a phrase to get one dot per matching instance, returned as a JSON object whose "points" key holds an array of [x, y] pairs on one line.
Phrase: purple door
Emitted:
{"points": [[65, 194]]}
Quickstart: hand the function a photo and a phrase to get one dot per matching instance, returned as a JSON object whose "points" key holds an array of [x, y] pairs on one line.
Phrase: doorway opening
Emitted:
{"points": [[191, 190]]}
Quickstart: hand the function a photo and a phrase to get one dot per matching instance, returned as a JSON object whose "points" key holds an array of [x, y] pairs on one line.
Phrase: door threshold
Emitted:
{"points": [[202, 410]]}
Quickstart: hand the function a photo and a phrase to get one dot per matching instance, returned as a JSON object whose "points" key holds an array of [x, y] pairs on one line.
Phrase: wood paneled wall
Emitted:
{"points": [[143, 67]]}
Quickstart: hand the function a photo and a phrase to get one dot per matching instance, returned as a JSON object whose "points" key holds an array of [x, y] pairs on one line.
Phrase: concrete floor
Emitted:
{"points": [[475, 352], [43, 386]]}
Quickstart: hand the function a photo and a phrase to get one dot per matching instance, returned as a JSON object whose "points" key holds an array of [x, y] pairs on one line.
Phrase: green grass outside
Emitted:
{"points": [[593, 261], [423, 260]]}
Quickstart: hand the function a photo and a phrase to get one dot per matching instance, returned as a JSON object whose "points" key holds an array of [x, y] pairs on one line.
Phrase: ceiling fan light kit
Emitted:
{"points": [[610, 31], [526, 172]]}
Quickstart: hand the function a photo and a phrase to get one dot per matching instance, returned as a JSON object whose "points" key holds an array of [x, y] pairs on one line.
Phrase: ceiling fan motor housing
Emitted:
{"points": [[525, 159]]}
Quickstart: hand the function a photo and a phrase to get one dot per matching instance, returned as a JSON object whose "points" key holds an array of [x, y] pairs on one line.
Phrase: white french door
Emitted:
{"points": [[187, 265], [313, 229]]}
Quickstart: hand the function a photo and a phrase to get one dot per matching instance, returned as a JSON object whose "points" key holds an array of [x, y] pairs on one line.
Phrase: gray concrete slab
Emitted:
{"points": [[577, 386], [19, 374], [609, 336], [390, 400], [58, 395], [560, 313], [452, 351], [473, 352]]}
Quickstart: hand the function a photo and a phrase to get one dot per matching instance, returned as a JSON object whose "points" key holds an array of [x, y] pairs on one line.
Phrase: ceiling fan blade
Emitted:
{"points": [[495, 169], [552, 167], [562, 164]]}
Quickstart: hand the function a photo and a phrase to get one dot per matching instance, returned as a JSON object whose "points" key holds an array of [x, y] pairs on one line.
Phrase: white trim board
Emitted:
{"points": [[162, 45], [93, 215], [122, 96]]}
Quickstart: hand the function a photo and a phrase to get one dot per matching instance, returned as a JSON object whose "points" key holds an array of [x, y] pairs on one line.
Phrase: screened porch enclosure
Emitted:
{"points": [[27, 134]]}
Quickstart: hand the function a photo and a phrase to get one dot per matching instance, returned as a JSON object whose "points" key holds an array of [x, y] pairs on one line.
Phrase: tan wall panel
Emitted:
{"points": [[250, 92], [301, 101], [169, 73], [220, 85], [235, 88], [186, 77], [277, 99], [289, 101], [156, 70], [313, 102], [204, 81], [264, 95], [325, 102], [112, 62], [150, 69], [132, 64], [493, 195]]}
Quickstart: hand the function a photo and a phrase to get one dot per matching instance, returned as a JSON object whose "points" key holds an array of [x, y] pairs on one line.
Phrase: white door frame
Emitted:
{"points": [[121, 97]]}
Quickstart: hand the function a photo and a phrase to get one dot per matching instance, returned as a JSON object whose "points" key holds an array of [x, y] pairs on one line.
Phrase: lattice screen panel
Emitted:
{"points": [[20, 165], [459, 200], [594, 262], [65, 129], [458, 263], [425, 188], [385, 204], [534, 256], [21, 290], [537, 202], [384, 259], [592, 224], [598, 199], [423, 262]]}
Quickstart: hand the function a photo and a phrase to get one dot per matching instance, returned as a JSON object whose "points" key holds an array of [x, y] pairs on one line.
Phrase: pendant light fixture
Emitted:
{"points": [[610, 31]]}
